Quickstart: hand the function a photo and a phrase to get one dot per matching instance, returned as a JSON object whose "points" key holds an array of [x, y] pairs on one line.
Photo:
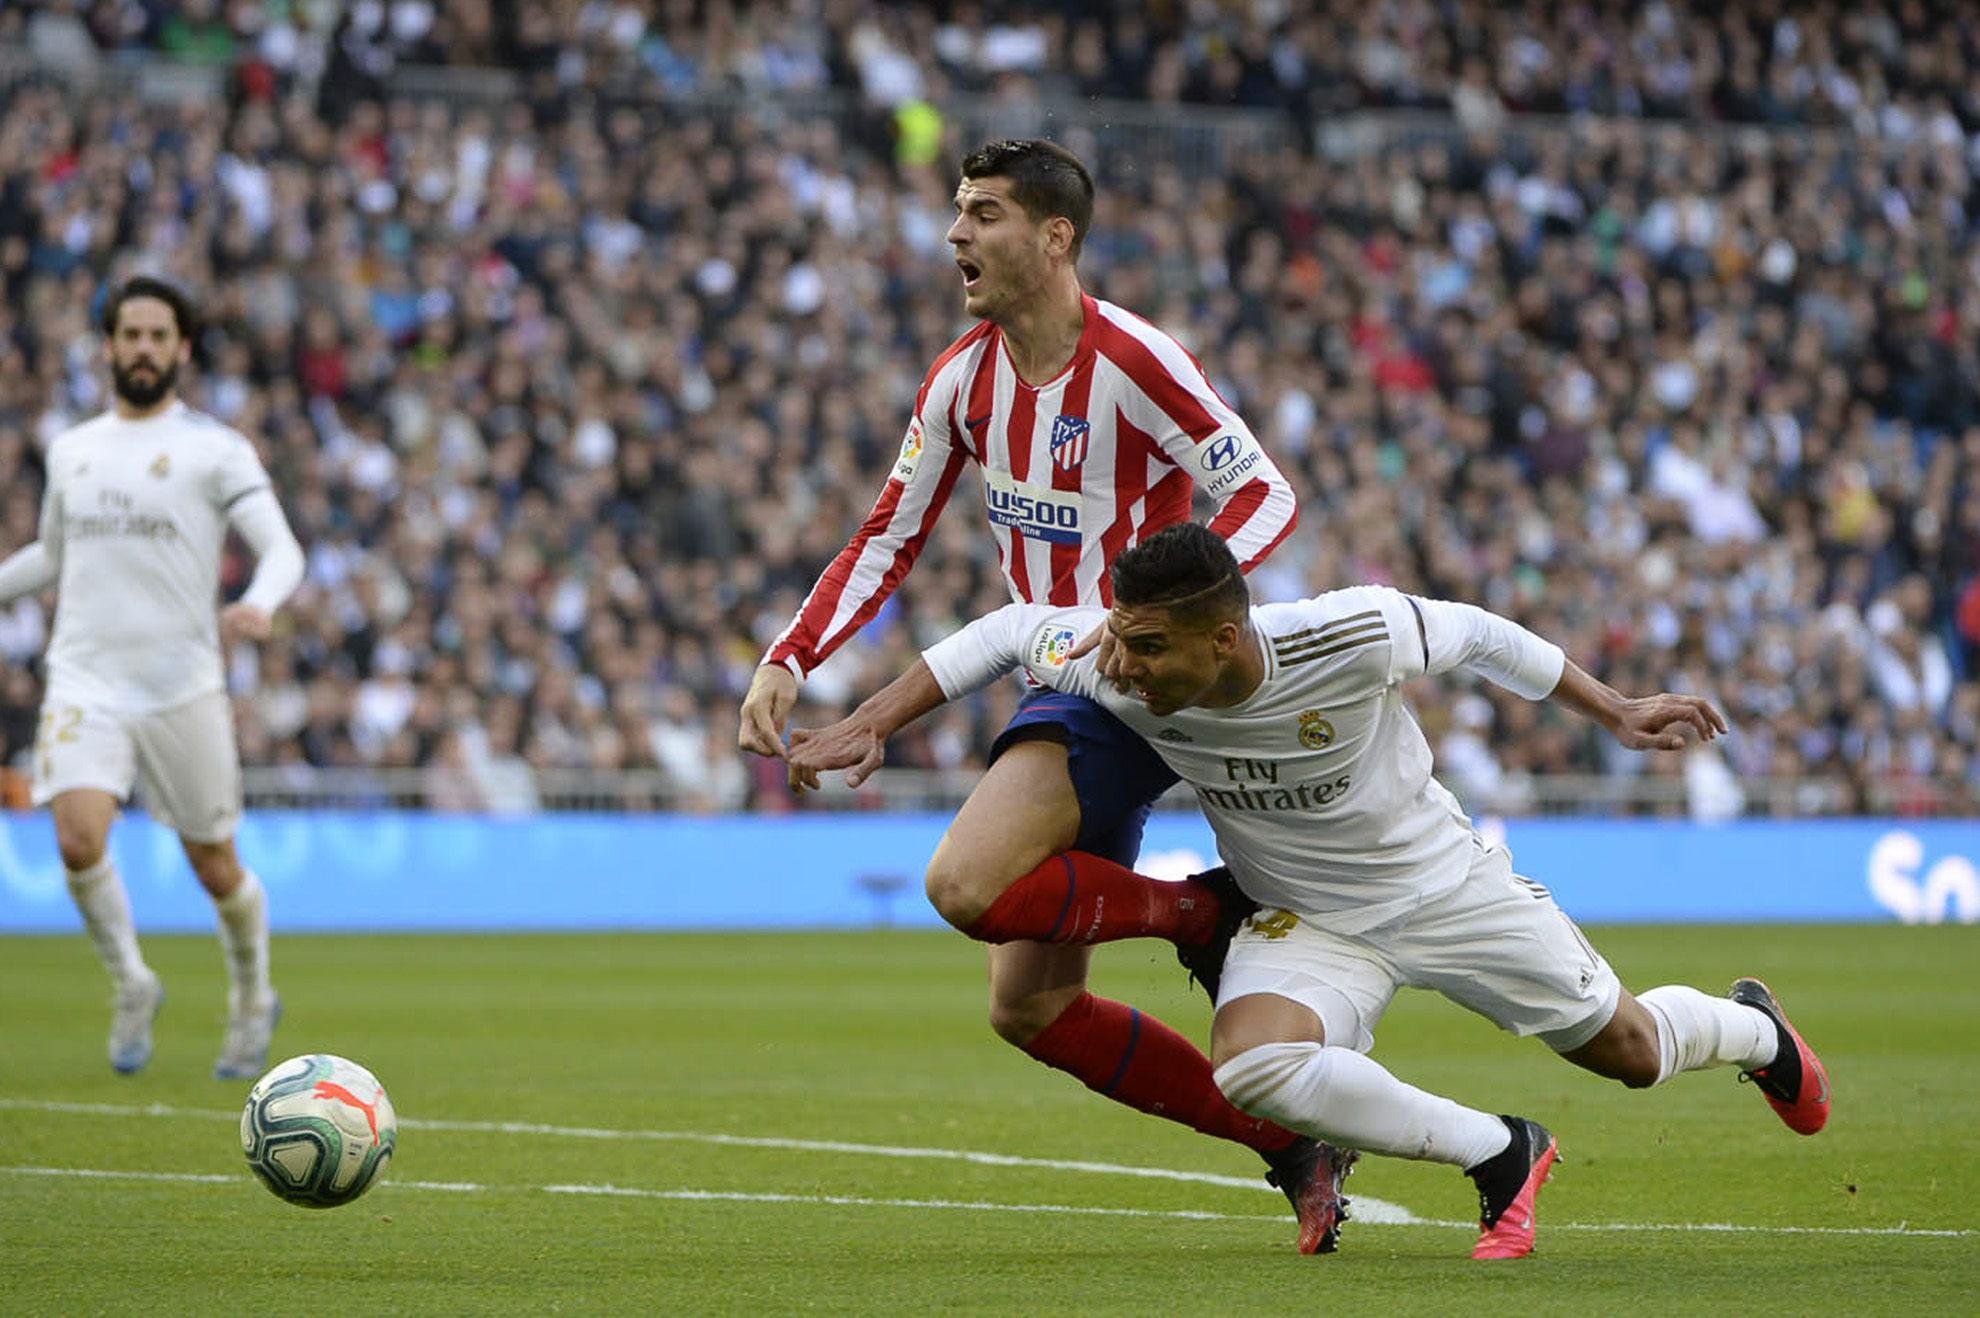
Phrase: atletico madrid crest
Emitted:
{"points": [[1069, 441]]}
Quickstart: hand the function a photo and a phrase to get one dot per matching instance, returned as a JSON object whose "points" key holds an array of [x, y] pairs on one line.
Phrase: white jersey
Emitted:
{"points": [[133, 520], [1318, 784]]}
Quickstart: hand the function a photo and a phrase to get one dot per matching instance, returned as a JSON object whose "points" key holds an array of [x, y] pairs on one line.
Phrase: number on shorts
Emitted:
{"points": [[1276, 925], [56, 725]]}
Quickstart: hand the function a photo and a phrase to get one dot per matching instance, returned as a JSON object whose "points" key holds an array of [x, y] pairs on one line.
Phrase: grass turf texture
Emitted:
{"points": [[879, 1039]]}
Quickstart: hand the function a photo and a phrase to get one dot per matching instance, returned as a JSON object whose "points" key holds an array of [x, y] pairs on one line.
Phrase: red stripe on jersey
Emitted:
{"points": [[1065, 558], [1168, 503], [824, 598], [1132, 450], [1153, 379], [1249, 498], [1017, 440], [801, 640], [979, 400], [903, 557], [978, 332]]}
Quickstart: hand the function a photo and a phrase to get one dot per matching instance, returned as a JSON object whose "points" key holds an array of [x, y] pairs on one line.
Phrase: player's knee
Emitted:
{"points": [[1257, 1079], [80, 847], [1019, 1020], [1635, 1057], [217, 869], [955, 889]]}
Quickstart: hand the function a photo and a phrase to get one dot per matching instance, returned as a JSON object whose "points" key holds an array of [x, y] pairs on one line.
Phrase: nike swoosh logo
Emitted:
{"points": [[983, 420]]}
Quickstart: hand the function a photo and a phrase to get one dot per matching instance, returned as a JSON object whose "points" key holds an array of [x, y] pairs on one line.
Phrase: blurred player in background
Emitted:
{"points": [[1290, 723], [1092, 429], [133, 521]]}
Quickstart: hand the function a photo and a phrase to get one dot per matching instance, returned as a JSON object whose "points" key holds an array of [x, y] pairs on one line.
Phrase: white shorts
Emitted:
{"points": [[183, 760], [1496, 943]]}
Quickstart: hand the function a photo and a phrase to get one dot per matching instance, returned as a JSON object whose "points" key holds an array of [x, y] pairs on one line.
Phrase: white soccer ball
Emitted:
{"points": [[318, 1130]]}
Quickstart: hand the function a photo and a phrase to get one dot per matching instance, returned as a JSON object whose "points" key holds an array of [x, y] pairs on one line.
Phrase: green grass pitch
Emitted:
{"points": [[774, 1123]]}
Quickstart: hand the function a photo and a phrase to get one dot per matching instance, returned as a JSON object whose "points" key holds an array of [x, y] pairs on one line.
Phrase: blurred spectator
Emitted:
{"points": [[572, 394]]}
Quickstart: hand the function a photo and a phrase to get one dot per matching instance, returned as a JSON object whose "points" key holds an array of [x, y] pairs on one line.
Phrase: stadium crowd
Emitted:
{"points": [[569, 398]]}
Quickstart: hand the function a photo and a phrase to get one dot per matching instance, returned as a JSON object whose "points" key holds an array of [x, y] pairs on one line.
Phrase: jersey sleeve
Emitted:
{"points": [[859, 580], [278, 566], [25, 571], [1034, 637], [1456, 636], [50, 532], [1204, 436], [237, 474]]}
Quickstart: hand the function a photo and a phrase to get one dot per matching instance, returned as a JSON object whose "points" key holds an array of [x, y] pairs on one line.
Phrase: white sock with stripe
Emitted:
{"points": [[1339, 1095], [106, 913], [1696, 1030]]}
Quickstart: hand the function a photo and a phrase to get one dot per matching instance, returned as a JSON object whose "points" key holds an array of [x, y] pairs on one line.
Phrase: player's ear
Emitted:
{"points": [[1059, 236], [1224, 640]]}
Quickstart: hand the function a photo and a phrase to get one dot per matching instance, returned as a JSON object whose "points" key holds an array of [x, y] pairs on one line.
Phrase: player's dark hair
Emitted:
{"points": [[1185, 568], [183, 314], [1046, 180]]}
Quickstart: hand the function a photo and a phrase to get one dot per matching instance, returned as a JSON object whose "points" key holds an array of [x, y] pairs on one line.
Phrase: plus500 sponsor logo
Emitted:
{"points": [[1032, 510]]}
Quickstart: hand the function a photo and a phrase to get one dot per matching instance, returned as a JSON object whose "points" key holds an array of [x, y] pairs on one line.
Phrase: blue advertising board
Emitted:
{"points": [[409, 871]]}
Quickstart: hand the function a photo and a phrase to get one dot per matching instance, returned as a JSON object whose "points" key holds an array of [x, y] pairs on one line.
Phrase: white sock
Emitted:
{"points": [[244, 937], [1696, 1030], [106, 913], [1339, 1095]]}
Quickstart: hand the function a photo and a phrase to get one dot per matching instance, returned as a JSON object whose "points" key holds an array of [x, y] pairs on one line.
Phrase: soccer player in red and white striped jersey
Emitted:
{"points": [[1092, 430]]}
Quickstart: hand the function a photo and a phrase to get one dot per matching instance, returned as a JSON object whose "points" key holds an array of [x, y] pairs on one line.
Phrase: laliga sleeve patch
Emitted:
{"points": [[910, 459], [1051, 645]]}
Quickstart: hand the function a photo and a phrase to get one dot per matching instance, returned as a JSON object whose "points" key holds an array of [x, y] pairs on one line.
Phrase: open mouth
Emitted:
{"points": [[972, 273]]}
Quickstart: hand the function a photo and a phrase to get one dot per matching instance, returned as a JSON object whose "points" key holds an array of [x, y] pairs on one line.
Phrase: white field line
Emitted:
{"points": [[688, 1136], [1366, 1211]]}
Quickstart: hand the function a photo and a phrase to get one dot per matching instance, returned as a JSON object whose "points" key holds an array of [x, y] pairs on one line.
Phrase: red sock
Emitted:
{"points": [[1077, 897], [1134, 1059]]}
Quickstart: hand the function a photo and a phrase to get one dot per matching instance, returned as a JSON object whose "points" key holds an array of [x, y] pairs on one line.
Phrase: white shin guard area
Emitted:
{"points": [[1340, 1095]]}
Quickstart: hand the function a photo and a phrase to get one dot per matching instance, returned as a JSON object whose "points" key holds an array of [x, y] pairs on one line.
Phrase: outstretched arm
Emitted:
{"points": [[25, 571], [1640, 723], [1463, 636], [857, 743], [1033, 635]]}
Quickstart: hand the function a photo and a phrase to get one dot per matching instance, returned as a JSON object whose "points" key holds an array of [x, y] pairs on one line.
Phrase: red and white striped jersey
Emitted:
{"points": [[1074, 471]]}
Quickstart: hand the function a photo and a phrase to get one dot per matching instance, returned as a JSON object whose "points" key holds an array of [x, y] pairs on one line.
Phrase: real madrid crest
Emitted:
{"points": [[161, 466], [1315, 732]]}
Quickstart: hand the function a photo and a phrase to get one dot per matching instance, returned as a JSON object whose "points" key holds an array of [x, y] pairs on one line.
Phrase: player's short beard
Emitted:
{"points": [[142, 394]]}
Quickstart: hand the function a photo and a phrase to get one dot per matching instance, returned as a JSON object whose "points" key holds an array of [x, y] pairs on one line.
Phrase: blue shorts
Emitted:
{"points": [[1115, 774]]}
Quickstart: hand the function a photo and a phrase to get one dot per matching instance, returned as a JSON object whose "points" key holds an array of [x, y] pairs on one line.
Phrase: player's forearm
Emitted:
{"points": [[26, 570], [900, 702], [278, 559], [1588, 695]]}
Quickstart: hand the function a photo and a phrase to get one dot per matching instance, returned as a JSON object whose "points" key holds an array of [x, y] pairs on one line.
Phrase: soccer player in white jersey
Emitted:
{"points": [[133, 520], [1091, 429], [1289, 722]]}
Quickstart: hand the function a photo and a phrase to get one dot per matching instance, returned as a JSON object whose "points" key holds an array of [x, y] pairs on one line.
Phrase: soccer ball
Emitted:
{"points": [[318, 1130]]}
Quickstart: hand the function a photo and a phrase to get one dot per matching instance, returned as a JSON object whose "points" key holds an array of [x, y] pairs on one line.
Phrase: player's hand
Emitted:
{"points": [[1105, 648], [241, 621], [1665, 722], [849, 744], [767, 704]]}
